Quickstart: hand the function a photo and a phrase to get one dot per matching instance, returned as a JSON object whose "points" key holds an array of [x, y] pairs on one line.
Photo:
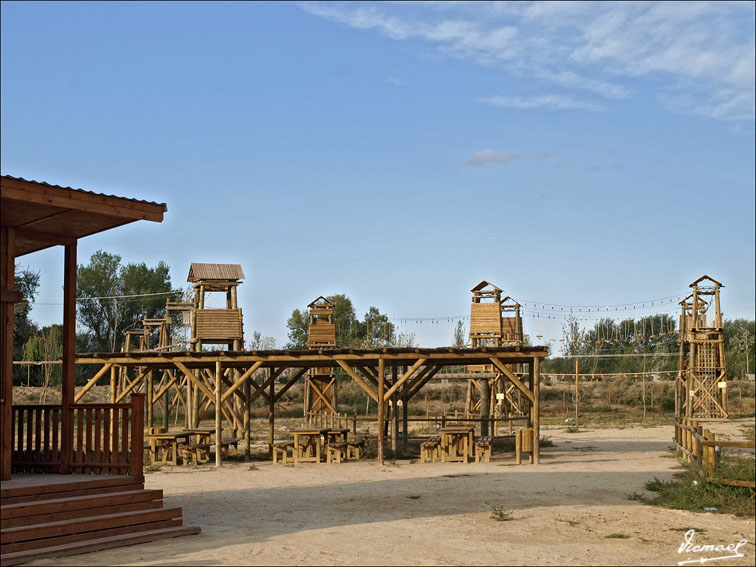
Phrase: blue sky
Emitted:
{"points": [[572, 154]]}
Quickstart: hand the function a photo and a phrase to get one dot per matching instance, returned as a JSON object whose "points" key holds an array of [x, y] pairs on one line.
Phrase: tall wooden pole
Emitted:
{"points": [[150, 400], [381, 408], [271, 415], [69, 358], [394, 413], [218, 413], [536, 410], [577, 392], [247, 421], [9, 298]]}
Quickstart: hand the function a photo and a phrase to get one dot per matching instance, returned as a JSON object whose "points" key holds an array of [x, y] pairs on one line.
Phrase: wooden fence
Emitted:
{"points": [[699, 445], [106, 438]]}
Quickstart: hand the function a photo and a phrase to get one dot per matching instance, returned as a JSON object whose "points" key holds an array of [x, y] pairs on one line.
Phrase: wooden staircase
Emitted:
{"points": [[83, 514]]}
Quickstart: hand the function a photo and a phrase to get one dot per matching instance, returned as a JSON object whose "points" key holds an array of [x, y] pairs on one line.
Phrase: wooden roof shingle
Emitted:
{"points": [[225, 272]]}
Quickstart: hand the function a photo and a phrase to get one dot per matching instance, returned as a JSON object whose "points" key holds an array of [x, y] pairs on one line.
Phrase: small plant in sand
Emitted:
{"points": [[498, 513], [617, 536], [253, 467]]}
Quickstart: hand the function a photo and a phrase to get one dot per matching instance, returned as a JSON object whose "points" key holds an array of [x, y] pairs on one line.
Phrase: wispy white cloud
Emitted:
{"points": [[551, 101], [699, 56], [490, 157]]}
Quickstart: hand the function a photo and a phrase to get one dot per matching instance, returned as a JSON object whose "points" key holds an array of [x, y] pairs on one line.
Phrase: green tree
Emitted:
{"points": [[106, 290], [739, 347], [47, 345], [27, 282]]}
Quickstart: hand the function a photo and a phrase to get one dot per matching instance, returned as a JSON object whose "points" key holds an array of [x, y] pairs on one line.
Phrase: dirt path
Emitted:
{"points": [[437, 514]]}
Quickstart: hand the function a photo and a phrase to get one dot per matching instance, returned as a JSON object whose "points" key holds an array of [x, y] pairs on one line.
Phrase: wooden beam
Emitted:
{"points": [[241, 379], [381, 409], [218, 413], [357, 379], [290, 383], [194, 380], [260, 390], [405, 377], [92, 381], [132, 385], [512, 378], [415, 388]]}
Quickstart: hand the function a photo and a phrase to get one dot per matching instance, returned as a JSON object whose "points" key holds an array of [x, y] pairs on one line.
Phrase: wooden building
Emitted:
{"points": [[71, 473], [701, 385], [320, 384]]}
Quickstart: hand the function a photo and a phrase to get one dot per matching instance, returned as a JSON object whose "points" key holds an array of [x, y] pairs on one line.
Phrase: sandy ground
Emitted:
{"points": [[360, 513]]}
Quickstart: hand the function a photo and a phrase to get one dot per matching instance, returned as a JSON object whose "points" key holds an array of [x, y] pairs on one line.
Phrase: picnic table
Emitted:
{"points": [[200, 435], [307, 444], [456, 443], [164, 447], [336, 434]]}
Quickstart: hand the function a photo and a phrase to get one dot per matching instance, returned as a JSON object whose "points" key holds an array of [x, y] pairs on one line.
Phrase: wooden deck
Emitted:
{"points": [[56, 515]]}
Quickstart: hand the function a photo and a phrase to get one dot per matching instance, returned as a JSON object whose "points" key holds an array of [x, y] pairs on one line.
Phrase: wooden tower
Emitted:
{"points": [[493, 322], [216, 326], [320, 384], [701, 386]]}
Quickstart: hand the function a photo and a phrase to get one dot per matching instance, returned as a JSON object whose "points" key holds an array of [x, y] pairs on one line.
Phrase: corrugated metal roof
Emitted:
{"points": [[199, 272], [44, 183]]}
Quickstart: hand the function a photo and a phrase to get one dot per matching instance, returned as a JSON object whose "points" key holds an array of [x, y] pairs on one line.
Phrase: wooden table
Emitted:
{"points": [[308, 445], [456, 443], [200, 435], [337, 434], [163, 445]]}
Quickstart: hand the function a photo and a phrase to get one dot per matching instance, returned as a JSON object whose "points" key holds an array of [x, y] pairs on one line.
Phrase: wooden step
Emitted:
{"points": [[70, 493], [72, 538], [40, 491], [70, 514], [90, 524], [95, 544], [66, 504]]}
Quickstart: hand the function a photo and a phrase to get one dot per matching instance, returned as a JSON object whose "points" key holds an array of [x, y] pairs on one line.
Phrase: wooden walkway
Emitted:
{"points": [[384, 374]]}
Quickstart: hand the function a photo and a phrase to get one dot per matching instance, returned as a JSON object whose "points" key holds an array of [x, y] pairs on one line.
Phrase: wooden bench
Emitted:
{"points": [[336, 451], [281, 451], [199, 453], [226, 443], [483, 449], [430, 449], [355, 449]]}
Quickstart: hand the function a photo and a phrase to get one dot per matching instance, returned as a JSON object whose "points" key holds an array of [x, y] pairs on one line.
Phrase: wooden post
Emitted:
{"points": [[113, 383], [394, 413], [69, 358], [188, 408], [381, 408], [271, 415], [167, 403], [137, 434], [196, 406], [247, 421], [485, 408], [577, 393], [218, 413], [9, 298], [150, 400], [405, 420], [536, 409]]}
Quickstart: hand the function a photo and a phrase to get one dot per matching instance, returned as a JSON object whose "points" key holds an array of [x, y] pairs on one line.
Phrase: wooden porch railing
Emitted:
{"points": [[107, 438], [698, 445]]}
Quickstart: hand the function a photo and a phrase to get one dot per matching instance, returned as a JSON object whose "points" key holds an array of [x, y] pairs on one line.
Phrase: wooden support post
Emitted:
{"points": [[69, 358], [271, 415], [577, 392], [536, 409], [113, 384], [247, 422], [189, 402], [137, 434], [196, 406], [394, 413], [150, 400], [485, 408], [167, 403], [381, 408], [405, 420], [218, 413]]}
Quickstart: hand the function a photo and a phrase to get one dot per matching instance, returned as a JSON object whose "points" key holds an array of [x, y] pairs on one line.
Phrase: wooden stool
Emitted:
{"points": [[483, 449], [281, 451], [430, 449], [355, 448], [523, 444], [336, 451]]}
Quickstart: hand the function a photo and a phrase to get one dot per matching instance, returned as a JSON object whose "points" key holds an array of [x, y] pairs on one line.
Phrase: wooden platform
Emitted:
{"points": [[56, 515]]}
